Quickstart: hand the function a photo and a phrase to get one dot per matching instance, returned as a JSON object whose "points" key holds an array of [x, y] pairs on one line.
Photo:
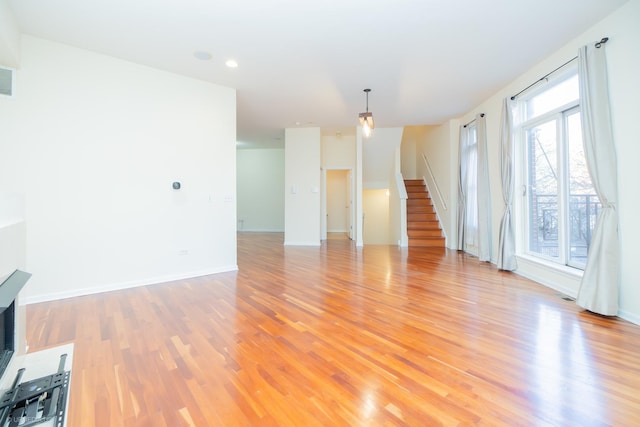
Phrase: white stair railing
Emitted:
{"points": [[435, 183]]}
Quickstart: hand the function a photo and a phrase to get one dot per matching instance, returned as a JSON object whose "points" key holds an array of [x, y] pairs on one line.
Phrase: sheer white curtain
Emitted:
{"points": [[507, 240], [462, 187], [483, 193], [471, 192], [599, 288]]}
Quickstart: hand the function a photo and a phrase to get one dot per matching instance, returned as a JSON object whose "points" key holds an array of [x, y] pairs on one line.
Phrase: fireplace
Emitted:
{"points": [[9, 289], [32, 395], [7, 336]]}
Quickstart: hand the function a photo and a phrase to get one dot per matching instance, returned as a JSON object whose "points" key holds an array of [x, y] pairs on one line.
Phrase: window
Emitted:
{"points": [[6, 81], [560, 203], [470, 160]]}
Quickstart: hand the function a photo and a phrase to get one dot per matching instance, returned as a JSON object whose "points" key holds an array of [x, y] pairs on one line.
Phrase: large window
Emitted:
{"points": [[560, 203]]}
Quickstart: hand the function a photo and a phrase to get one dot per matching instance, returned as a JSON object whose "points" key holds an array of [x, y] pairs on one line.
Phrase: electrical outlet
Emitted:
{"points": [[183, 252]]}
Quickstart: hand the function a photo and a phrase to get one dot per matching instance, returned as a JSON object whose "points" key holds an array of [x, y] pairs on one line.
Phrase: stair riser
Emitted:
{"points": [[415, 217], [418, 203], [424, 233], [419, 210]]}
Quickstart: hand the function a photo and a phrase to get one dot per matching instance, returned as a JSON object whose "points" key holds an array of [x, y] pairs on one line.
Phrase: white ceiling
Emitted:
{"points": [[304, 63]]}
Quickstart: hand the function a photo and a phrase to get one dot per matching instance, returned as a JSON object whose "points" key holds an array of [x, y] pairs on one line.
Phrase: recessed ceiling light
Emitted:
{"points": [[231, 63], [202, 55]]}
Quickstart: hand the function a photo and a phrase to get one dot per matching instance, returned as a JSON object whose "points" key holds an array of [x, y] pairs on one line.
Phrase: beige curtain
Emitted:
{"points": [[462, 186], [599, 289], [507, 240]]}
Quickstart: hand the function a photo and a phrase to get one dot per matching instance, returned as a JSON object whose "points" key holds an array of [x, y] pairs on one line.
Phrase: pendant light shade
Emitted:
{"points": [[366, 118]]}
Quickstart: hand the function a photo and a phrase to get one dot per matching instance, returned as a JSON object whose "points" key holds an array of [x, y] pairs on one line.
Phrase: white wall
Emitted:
{"points": [[338, 154], [12, 234], [260, 181], [94, 144], [9, 37], [302, 187], [408, 151], [379, 160], [623, 57], [376, 217], [378, 157]]}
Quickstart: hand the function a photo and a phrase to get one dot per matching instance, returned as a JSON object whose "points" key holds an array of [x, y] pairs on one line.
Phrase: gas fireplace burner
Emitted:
{"points": [[36, 401]]}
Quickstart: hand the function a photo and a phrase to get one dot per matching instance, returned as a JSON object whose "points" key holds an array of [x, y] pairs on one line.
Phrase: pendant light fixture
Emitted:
{"points": [[366, 118]]}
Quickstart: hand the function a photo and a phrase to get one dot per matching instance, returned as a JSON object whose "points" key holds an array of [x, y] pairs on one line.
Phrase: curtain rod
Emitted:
{"points": [[464, 126], [597, 45]]}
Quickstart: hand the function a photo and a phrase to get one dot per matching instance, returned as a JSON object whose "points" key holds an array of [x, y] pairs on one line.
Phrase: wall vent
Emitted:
{"points": [[6, 81]]}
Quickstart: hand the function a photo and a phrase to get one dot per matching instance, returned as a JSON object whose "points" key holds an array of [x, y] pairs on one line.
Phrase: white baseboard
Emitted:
{"points": [[629, 317], [302, 243], [123, 285]]}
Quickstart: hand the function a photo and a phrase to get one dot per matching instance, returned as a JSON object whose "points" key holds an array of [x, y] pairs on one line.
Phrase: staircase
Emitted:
{"points": [[423, 227]]}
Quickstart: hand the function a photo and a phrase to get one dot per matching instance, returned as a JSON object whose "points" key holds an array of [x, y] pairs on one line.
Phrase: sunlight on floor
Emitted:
{"points": [[337, 236]]}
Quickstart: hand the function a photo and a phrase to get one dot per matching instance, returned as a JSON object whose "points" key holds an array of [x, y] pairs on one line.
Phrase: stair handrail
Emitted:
{"points": [[435, 182]]}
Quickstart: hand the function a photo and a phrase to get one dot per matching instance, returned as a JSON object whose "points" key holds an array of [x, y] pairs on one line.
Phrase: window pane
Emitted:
{"points": [[6, 81], [543, 189], [555, 97], [584, 204]]}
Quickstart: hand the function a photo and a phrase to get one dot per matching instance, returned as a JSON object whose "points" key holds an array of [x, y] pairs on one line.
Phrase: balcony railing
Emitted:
{"points": [[583, 212]]}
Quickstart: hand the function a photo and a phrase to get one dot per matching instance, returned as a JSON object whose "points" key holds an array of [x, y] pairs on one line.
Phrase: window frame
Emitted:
{"points": [[521, 126]]}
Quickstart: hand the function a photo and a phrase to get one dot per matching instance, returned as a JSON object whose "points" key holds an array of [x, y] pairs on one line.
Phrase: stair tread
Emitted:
{"points": [[418, 234]]}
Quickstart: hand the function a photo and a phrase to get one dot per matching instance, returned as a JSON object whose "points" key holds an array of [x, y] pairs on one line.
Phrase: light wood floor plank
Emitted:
{"points": [[343, 336]]}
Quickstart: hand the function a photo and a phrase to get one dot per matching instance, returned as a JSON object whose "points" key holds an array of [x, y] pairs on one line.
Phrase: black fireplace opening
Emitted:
{"points": [[9, 289], [7, 336]]}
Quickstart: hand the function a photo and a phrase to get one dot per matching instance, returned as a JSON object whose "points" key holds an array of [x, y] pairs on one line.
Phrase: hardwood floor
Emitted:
{"points": [[340, 336]]}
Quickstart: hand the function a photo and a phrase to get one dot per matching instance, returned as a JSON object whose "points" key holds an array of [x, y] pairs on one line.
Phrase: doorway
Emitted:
{"points": [[337, 216]]}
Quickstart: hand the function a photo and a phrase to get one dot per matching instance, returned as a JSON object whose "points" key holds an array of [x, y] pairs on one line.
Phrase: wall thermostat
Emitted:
{"points": [[176, 185]]}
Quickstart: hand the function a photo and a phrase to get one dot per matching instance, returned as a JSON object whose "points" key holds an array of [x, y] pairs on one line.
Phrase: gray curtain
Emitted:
{"points": [[462, 185], [484, 195], [599, 288], [507, 242]]}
